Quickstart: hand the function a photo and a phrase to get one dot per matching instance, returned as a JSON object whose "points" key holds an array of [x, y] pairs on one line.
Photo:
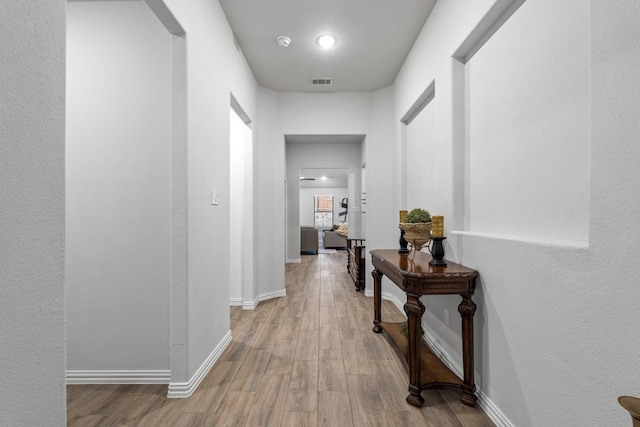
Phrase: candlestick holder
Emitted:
{"points": [[437, 251], [403, 243]]}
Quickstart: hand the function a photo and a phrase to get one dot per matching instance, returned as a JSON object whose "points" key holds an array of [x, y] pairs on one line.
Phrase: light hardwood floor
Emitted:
{"points": [[308, 359]]}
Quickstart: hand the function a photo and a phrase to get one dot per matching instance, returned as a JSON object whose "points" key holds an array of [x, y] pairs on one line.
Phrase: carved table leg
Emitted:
{"points": [[356, 256], [467, 309], [414, 310], [348, 256], [377, 300]]}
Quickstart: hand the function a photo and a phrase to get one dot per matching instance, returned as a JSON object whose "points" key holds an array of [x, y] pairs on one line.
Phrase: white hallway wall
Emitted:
{"points": [[269, 184], [547, 208], [200, 297], [118, 189], [215, 70], [32, 220], [318, 114], [32, 89]]}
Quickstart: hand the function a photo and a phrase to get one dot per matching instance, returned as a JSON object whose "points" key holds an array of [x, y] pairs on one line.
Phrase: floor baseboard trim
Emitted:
{"points": [[118, 377], [273, 294], [235, 302], [391, 297], [493, 411], [484, 402], [250, 305], [294, 261], [263, 297], [183, 390]]}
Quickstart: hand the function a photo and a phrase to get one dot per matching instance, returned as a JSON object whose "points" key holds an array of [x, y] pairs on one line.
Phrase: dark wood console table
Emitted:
{"points": [[417, 277]]}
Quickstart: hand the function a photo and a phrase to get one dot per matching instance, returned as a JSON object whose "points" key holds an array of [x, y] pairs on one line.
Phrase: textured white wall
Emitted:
{"points": [[324, 113], [610, 298], [200, 162], [381, 218], [269, 179], [427, 186], [32, 80], [118, 188], [368, 114], [215, 69], [550, 120], [529, 166], [319, 114]]}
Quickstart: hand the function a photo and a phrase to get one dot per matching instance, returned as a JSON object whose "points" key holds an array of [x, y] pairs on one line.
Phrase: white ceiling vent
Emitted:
{"points": [[322, 82]]}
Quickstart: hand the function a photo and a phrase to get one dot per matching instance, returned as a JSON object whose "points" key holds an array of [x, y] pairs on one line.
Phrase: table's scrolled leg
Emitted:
{"points": [[348, 256], [377, 300], [414, 310], [467, 309]]}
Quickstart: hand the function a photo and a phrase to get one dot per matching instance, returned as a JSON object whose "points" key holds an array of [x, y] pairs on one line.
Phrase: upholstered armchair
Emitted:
{"points": [[308, 239]]}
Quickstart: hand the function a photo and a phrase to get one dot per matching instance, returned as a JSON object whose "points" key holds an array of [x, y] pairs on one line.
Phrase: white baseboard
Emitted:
{"points": [[182, 390], [273, 294], [390, 297], [250, 305], [294, 261], [235, 302], [484, 402], [493, 411], [118, 377]]}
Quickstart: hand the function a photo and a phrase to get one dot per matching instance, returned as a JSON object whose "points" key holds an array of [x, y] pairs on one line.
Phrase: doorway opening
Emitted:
{"points": [[241, 269]]}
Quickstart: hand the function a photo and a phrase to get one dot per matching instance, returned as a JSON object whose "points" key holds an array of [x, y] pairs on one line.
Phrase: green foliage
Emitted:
{"points": [[404, 329], [418, 215]]}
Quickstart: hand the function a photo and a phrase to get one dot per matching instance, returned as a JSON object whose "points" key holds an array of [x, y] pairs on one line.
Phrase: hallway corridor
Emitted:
{"points": [[308, 359]]}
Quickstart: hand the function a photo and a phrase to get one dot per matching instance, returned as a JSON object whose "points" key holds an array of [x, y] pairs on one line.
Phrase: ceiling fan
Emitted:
{"points": [[322, 178]]}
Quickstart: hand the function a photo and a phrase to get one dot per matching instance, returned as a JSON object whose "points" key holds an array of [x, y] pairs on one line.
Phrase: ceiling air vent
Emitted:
{"points": [[321, 82]]}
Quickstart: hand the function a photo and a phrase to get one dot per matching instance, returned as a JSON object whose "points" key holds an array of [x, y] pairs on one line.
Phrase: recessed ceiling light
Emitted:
{"points": [[326, 40], [284, 41]]}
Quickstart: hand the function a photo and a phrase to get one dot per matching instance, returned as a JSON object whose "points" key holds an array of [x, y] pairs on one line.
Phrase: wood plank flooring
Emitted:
{"points": [[308, 359]]}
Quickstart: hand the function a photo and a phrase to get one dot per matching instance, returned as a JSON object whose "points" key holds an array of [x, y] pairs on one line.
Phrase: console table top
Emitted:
{"points": [[419, 267]]}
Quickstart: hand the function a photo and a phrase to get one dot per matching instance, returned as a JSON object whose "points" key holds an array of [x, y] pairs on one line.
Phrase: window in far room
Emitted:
{"points": [[323, 211]]}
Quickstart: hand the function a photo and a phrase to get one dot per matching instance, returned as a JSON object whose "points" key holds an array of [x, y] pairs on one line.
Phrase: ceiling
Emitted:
{"points": [[374, 38]]}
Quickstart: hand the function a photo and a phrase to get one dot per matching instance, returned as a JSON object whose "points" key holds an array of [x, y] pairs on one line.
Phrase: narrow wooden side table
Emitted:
{"points": [[416, 278], [355, 262]]}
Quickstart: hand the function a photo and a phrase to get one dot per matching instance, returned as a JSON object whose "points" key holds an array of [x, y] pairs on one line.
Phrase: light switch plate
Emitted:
{"points": [[214, 197]]}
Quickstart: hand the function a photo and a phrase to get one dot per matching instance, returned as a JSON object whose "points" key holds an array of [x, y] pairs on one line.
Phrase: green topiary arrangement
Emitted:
{"points": [[417, 229], [417, 216]]}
